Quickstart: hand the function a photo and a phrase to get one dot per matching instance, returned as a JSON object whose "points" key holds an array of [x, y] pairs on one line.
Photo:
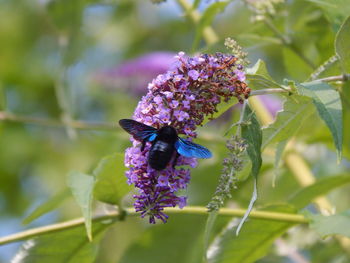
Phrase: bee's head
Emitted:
{"points": [[167, 134]]}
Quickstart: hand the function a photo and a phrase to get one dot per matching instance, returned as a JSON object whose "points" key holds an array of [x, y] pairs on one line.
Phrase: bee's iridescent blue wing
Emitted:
{"points": [[191, 150], [139, 130]]}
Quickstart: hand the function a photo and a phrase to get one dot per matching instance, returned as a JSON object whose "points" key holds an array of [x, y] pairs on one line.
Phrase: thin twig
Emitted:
{"points": [[7, 116], [344, 77], [190, 210], [269, 91]]}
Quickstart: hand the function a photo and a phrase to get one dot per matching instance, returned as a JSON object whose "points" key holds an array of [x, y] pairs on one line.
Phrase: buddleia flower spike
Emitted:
{"points": [[182, 98]]}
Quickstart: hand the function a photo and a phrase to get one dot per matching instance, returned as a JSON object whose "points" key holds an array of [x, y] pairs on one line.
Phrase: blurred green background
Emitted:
{"points": [[59, 60]]}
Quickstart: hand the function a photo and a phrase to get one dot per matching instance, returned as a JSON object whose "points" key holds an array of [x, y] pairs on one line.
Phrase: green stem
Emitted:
{"points": [[344, 77], [269, 91], [288, 43], [209, 34], [10, 117], [190, 210]]}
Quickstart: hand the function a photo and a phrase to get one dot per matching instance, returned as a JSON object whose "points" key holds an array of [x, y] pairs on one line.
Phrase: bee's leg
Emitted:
{"points": [[175, 159], [143, 145]]}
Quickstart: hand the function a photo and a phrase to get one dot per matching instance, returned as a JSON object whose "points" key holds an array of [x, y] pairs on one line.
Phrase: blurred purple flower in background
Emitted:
{"points": [[182, 97], [272, 103], [134, 75]]}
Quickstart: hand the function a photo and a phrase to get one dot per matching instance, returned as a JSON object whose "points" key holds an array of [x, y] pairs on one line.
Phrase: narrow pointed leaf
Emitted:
{"points": [[278, 156], [259, 78], [329, 107], [335, 11], [295, 111], [321, 187], [251, 133], [82, 186], [338, 224], [208, 231], [279, 152]]}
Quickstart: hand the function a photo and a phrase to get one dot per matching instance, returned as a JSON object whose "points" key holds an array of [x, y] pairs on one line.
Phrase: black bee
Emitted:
{"points": [[164, 143]]}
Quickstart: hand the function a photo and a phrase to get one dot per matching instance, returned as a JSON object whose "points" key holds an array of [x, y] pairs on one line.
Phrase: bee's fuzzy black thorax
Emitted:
{"points": [[167, 134]]}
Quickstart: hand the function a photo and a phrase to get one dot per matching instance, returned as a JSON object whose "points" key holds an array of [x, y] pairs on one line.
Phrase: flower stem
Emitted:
{"points": [[114, 216]]}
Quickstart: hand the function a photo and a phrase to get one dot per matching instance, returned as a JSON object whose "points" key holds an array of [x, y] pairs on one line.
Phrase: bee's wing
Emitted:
{"points": [[190, 149], [139, 130]]}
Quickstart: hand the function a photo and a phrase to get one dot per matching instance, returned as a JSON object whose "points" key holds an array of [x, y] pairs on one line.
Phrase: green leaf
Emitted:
{"points": [[243, 174], [335, 11], [208, 231], [206, 20], [111, 184], [47, 206], [252, 243], [279, 152], [305, 195], [221, 109], [342, 45], [260, 69], [252, 135], [68, 246], [179, 240], [295, 111], [82, 186], [278, 155], [259, 77], [331, 225], [329, 107]]}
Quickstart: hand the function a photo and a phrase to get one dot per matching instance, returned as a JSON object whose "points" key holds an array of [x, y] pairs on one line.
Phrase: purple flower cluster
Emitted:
{"points": [[182, 97]]}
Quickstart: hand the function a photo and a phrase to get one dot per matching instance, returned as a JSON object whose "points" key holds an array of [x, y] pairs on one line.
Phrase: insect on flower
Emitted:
{"points": [[175, 104], [164, 143]]}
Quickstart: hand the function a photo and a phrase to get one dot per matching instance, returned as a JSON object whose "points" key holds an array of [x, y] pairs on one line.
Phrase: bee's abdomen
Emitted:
{"points": [[160, 155]]}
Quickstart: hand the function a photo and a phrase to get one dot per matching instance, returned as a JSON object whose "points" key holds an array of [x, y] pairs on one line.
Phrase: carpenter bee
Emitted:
{"points": [[164, 143]]}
